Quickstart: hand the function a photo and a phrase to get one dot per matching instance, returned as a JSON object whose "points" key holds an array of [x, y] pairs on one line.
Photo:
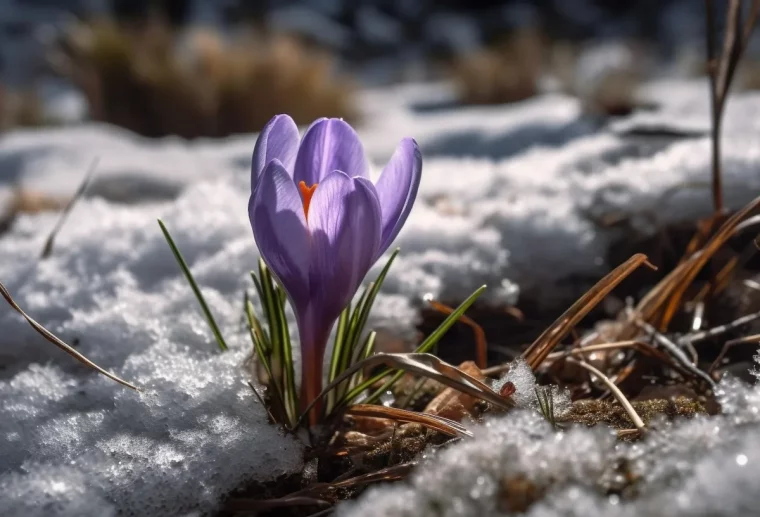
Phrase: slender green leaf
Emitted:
{"points": [[279, 334], [426, 365], [424, 347], [337, 351], [201, 300], [366, 350], [341, 334], [255, 325], [350, 352], [364, 309], [431, 341], [278, 399]]}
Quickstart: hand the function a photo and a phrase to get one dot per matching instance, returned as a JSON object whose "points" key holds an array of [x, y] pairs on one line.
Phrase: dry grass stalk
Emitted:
{"points": [[508, 72], [551, 337], [20, 109], [661, 303], [622, 399], [140, 78], [481, 346], [59, 342]]}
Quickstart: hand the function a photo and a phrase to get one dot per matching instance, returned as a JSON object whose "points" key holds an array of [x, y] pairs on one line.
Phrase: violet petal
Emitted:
{"points": [[397, 189], [279, 227], [329, 145], [278, 140], [344, 222]]}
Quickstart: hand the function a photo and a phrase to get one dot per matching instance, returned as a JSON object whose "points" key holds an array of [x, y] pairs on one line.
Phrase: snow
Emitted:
{"points": [[80, 444], [699, 467], [508, 198]]}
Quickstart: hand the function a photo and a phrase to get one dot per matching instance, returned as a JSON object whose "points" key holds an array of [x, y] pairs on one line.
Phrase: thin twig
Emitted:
{"points": [[675, 352], [59, 342], [481, 346], [715, 331], [712, 66], [48, 248], [755, 338], [635, 418]]}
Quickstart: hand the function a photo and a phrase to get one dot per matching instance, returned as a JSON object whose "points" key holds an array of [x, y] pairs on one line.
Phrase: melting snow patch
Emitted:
{"points": [[510, 196], [699, 467]]}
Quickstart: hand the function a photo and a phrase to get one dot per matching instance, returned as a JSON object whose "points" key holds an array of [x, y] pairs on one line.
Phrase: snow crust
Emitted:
{"points": [[73, 443], [699, 467], [509, 197]]}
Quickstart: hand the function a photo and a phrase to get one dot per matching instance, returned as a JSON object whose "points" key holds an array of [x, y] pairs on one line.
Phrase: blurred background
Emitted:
{"points": [[211, 68]]}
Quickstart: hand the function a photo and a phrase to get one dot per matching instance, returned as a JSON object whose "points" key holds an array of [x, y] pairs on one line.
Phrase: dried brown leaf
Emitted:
{"points": [[435, 422], [551, 337]]}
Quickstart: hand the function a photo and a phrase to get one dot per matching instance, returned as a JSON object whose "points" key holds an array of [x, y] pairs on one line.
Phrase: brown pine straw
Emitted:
{"points": [[480, 335], [635, 418], [662, 302], [557, 331]]}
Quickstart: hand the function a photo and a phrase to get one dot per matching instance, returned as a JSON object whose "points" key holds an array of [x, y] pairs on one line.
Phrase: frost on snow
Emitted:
{"points": [[73, 443], [509, 197], [700, 467]]}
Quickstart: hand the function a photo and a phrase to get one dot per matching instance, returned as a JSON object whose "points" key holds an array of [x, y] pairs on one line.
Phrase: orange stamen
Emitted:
{"points": [[306, 193]]}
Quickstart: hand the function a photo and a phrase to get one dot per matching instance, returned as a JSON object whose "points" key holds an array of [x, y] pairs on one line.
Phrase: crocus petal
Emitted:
{"points": [[278, 140], [329, 145], [279, 227], [344, 222], [397, 189]]}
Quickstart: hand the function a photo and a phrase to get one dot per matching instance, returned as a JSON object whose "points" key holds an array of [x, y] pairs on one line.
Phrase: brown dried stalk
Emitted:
{"points": [[721, 71], [480, 335], [59, 342], [551, 337], [437, 423]]}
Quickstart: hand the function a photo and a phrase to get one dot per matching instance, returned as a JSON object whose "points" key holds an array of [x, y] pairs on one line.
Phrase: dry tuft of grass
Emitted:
{"points": [[512, 71], [156, 81], [508, 72], [20, 109], [23, 201]]}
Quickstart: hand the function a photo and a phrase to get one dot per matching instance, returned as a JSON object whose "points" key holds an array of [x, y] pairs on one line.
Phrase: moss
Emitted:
{"points": [[593, 412], [404, 445]]}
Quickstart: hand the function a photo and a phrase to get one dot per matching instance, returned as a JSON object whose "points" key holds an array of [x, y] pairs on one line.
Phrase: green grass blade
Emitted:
{"points": [[369, 345], [281, 295], [364, 352], [201, 300], [341, 334], [438, 333], [281, 408], [279, 332], [424, 347], [291, 396], [350, 351], [337, 352], [269, 303], [255, 324], [364, 309]]}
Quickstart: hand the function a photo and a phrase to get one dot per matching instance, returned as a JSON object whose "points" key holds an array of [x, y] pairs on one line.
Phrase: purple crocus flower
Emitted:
{"points": [[320, 223]]}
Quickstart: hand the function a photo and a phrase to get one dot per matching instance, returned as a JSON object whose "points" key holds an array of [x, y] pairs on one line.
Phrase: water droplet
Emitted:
{"points": [[387, 399]]}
